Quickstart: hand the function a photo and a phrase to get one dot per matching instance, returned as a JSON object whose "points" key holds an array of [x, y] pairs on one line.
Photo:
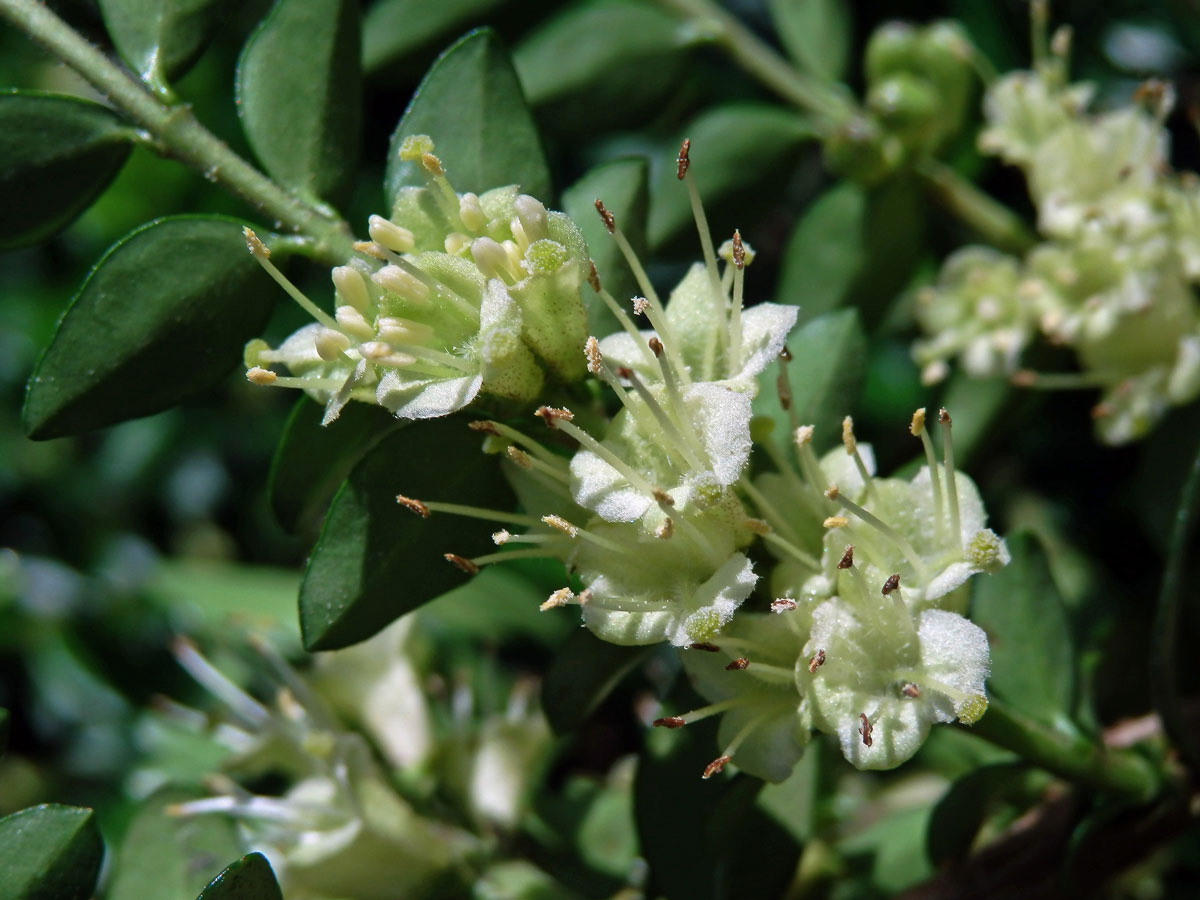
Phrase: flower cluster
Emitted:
{"points": [[656, 512], [455, 296], [1113, 276]]}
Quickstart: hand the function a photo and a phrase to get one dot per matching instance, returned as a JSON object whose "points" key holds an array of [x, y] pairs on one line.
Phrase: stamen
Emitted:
{"points": [[865, 729], [554, 418], [489, 426], [715, 766], [261, 376], [817, 660], [260, 252], [678, 435], [424, 508], [918, 428], [951, 481], [388, 234], [350, 287], [706, 646], [852, 449], [719, 763], [847, 559], [706, 244], [574, 531], [561, 597], [886, 530], [240, 704], [738, 664], [666, 529], [461, 563], [621, 316], [735, 311], [782, 605], [783, 387], [443, 192]]}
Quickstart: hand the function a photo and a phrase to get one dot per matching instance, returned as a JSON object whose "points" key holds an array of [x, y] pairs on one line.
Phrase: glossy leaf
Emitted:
{"points": [[471, 104], [736, 150], [392, 29], [376, 560], [584, 672], [816, 34], [49, 852], [853, 247], [162, 316], [299, 92], [57, 154], [250, 878], [957, 817], [622, 186], [1033, 661], [160, 39], [602, 62], [311, 461], [170, 857], [825, 374]]}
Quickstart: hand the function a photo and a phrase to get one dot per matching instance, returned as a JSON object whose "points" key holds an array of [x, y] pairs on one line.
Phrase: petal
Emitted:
{"points": [[765, 328], [597, 486], [721, 417], [426, 398], [954, 652]]}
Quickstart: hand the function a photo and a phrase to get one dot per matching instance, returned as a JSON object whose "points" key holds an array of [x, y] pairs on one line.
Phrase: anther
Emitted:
{"points": [[593, 277], [756, 526], [785, 354], [388, 234], [847, 559], [561, 597], [255, 245], [669, 722], [803, 435], [595, 360], [259, 375], [485, 426], [910, 690], [661, 496], [501, 537], [519, 457], [943, 416], [818, 660], [715, 766], [892, 584], [782, 605], [412, 505], [683, 161], [738, 664], [918, 423], [553, 414], [560, 524], [606, 217], [836, 522], [666, 529], [706, 646], [461, 563], [739, 250], [832, 492], [865, 729], [371, 249], [640, 305], [432, 164], [585, 596], [655, 346]]}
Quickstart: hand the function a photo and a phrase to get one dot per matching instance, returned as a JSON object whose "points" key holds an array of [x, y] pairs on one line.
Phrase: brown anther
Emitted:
{"points": [[784, 390], [832, 492], [818, 660], [669, 722], [413, 505], [485, 426], [705, 646], [606, 217], [910, 690], [371, 249], [461, 563], [739, 250], [715, 766], [593, 277], [892, 584], [785, 354], [623, 372], [782, 605], [865, 729], [1023, 378], [943, 416], [519, 457], [552, 414], [595, 360], [655, 346], [836, 522], [757, 526], [1150, 92], [640, 305], [661, 496], [665, 530], [738, 664], [684, 159], [432, 164], [847, 559]]}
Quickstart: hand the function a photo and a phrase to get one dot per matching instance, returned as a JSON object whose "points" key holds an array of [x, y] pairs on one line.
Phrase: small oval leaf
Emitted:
{"points": [[376, 560], [584, 672], [250, 878], [957, 817], [471, 104], [392, 29], [57, 154], [49, 852], [160, 39], [163, 315], [311, 461], [299, 91], [621, 184], [815, 33]]}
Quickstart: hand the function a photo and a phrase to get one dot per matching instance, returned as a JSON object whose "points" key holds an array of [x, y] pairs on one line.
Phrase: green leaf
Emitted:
{"points": [[392, 29], [162, 316], [736, 149], [825, 374], [621, 184], [468, 615], [958, 816], [471, 104], [299, 94], [49, 852], [816, 34], [1033, 662], [376, 560], [160, 39], [170, 857], [250, 878], [602, 63], [311, 461], [854, 247], [56, 155], [584, 672]]}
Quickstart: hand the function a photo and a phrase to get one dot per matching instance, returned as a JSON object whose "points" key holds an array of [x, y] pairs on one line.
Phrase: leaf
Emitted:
{"points": [[958, 816], [825, 374], [621, 184], [816, 34], [299, 94], [160, 39], [735, 150], [250, 878], [854, 247], [1033, 663], [311, 461], [392, 29], [162, 316], [170, 857], [584, 672], [471, 104], [57, 154], [49, 852], [602, 63], [375, 560]]}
